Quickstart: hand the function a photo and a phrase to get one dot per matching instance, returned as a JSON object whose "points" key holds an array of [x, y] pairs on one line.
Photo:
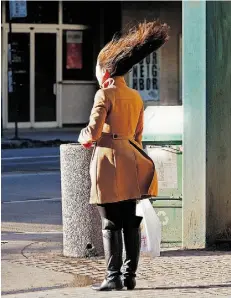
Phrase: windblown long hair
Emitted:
{"points": [[121, 53]]}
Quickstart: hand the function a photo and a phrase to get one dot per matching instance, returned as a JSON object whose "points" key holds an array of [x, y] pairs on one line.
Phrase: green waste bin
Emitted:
{"points": [[162, 140]]}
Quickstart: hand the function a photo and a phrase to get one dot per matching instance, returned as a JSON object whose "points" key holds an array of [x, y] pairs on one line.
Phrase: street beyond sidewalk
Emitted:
{"points": [[34, 138], [44, 134]]}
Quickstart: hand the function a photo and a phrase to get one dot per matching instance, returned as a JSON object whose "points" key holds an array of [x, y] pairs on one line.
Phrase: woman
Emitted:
{"points": [[121, 172]]}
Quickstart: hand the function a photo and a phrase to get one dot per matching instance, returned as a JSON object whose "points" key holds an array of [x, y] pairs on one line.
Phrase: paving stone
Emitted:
{"points": [[174, 274]]}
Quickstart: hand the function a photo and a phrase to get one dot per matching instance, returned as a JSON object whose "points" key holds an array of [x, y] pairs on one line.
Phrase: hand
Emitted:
{"points": [[84, 143], [87, 145]]}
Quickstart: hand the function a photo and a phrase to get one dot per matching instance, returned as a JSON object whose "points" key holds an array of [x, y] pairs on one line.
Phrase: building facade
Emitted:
{"points": [[54, 52]]}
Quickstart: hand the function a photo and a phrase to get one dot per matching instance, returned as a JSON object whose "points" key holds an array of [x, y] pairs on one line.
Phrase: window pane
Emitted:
{"points": [[38, 12], [112, 21], [77, 55], [79, 12], [2, 3], [45, 76], [21, 65]]}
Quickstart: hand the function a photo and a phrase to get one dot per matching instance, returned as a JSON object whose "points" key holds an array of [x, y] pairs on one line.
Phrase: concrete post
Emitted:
{"points": [[82, 236], [194, 136]]}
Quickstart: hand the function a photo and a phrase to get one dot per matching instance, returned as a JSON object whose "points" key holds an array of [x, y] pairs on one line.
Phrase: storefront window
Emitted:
{"points": [[80, 12], [180, 69], [38, 12], [77, 55], [2, 11]]}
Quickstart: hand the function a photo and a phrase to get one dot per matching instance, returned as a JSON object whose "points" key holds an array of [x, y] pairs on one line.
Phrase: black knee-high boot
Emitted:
{"points": [[132, 242], [113, 247]]}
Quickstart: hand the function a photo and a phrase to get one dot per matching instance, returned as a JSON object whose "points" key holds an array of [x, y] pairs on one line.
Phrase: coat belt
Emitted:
{"points": [[116, 136]]}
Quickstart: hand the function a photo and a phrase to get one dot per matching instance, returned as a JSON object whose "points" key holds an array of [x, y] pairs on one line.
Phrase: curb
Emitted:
{"points": [[29, 143]]}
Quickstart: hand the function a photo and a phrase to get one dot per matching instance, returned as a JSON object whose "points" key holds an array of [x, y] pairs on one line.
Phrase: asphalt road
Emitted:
{"points": [[30, 160], [31, 186]]}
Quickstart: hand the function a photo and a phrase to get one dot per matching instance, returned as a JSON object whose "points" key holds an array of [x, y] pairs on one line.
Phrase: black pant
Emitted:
{"points": [[118, 213]]}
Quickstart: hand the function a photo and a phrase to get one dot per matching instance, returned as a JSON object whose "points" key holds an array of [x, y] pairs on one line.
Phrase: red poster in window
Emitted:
{"points": [[74, 50]]}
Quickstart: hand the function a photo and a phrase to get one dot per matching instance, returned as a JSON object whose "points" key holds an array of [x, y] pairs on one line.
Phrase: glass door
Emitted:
{"points": [[45, 109], [19, 100], [34, 61]]}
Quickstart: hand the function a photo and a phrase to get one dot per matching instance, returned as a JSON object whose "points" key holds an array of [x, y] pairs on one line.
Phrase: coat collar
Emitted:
{"points": [[119, 81]]}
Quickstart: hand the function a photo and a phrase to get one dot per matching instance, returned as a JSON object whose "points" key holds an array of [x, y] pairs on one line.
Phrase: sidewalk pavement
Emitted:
{"points": [[33, 267]]}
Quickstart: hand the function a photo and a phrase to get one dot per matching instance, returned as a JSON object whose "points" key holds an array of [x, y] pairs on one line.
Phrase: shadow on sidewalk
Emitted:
{"points": [[32, 290], [185, 287], [195, 252], [136, 289]]}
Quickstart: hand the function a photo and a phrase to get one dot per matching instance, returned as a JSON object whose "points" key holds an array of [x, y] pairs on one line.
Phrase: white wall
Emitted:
{"points": [[77, 101]]}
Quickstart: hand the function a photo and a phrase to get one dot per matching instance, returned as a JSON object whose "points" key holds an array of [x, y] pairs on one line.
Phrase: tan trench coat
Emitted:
{"points": [[120, 170]]}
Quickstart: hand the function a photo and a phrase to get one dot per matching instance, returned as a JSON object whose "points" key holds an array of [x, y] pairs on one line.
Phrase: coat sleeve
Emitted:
{"points": [[97, 118], [139, 128]]}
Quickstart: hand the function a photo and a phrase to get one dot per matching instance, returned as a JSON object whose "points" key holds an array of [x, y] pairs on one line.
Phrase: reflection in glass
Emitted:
{"points": [[38, 12], [21, 65]]}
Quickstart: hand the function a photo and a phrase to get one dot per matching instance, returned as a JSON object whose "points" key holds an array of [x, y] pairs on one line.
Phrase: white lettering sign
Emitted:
{"points": [[144, 77]]}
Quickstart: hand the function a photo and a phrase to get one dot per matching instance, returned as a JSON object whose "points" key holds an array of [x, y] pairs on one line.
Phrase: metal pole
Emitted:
{"points": [[2, 134], [11, 68]]}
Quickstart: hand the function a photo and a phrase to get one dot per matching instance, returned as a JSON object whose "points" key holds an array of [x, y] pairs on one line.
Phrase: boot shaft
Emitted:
{"points": [[113, 248], [112, 241], [132, 243]]}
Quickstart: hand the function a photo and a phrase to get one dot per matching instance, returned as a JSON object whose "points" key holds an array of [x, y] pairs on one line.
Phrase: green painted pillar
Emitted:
{"points": [[194, 136], [207, 123], [218, 167]]}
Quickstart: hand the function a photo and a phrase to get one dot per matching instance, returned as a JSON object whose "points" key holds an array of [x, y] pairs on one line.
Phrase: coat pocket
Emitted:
{"points": [[142, 152], [145, 168]]}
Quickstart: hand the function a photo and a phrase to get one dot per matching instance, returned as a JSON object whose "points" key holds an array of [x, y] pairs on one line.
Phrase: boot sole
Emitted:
{"points": [[129, 287], [107, 290]]}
